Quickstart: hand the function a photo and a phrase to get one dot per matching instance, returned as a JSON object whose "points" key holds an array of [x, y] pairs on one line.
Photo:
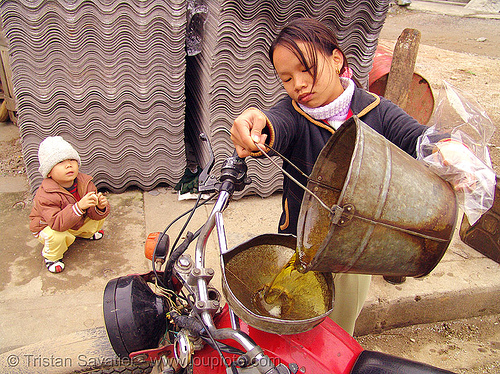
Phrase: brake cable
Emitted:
{"points": [[197, 205], [290, 176]]}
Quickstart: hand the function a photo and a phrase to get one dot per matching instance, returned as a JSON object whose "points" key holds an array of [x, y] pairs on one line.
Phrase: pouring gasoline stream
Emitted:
{"points": [[290, 295]]}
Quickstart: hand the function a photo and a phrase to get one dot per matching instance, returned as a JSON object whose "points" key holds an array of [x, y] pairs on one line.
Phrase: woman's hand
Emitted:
{"points": [[461, 161], [247, 130]]}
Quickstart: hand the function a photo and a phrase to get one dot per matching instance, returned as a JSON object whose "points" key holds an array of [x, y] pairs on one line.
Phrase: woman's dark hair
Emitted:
{"points": [[316, 35]]}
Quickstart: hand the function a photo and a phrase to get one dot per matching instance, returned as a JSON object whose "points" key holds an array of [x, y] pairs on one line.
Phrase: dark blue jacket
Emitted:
{"points": [[300, 138]]}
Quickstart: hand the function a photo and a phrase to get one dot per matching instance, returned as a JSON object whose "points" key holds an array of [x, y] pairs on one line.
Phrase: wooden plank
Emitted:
{"points": [[3, 39], [8, 88], [402, 67], [10, 104], [398, 84], [3, 76]]}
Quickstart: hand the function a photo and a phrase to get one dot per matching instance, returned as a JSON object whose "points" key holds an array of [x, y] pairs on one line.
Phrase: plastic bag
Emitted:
{"points": [[455, 148]]}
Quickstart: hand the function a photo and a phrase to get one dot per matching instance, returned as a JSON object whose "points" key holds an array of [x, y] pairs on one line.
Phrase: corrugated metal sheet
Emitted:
{"points": [[110, 77]]}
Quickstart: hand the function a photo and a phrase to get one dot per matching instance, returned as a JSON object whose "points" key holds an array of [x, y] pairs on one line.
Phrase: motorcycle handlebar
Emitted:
{"points": [[233, 178]]}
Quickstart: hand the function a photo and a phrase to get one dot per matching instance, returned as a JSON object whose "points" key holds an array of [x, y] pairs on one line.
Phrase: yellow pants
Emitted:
{"points": [[351, 291], [55, 243]]}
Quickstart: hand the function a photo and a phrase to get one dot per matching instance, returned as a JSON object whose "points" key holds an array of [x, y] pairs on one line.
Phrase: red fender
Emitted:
{"points": [[324, 349]]}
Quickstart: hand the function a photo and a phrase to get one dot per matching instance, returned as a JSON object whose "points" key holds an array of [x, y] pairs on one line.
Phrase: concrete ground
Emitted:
{"points": [[57, 319]]}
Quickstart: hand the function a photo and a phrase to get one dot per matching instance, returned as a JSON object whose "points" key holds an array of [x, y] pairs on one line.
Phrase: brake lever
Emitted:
{"points": [[207, 182]]}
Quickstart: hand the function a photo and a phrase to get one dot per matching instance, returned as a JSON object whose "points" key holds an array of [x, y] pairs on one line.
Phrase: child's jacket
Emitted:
{"points": [[53, 206]]}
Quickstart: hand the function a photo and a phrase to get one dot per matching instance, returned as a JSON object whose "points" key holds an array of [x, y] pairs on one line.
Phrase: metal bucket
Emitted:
{"points": [[393, 215], [247, 268]]}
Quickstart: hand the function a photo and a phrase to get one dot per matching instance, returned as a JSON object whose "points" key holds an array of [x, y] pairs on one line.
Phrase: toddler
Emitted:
{"points": [[66, 204]]}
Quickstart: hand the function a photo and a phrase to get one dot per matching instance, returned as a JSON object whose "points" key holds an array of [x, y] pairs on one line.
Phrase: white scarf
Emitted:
{"points": [[335, 113]]}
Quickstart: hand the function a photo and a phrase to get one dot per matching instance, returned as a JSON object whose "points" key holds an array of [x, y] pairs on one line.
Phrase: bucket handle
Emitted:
{"points": [[336, 211]]}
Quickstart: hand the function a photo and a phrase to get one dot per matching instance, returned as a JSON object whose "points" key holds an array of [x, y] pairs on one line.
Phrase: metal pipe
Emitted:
{"points": [[216, 218], [226, 333], [221, 233], [202, 242], [235, 321], [246, 342]]}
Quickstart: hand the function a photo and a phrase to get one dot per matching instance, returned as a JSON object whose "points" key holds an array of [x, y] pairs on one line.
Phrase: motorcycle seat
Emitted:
{"points": [[371, 362]]}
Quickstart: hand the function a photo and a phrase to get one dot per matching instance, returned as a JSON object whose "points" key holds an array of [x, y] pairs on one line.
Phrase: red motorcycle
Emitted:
{"points": [[173, 317]]}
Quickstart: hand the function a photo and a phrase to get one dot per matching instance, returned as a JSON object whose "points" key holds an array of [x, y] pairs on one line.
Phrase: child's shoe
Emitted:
{"points": [[98, 235], [54, 266]]}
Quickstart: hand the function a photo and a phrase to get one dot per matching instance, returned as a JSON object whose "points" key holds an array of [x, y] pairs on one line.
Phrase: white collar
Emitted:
{"points": [[338, 109]]}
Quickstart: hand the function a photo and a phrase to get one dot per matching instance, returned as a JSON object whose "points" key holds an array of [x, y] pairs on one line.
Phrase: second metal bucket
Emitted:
{"points": [[420, 104], [392, 215]]}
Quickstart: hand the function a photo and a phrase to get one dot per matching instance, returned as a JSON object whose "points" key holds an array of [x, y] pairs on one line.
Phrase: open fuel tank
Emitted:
{"points": [[248, 267]]}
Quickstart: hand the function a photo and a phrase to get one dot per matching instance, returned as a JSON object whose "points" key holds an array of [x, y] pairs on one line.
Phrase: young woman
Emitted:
{"points": [[310, 64]]}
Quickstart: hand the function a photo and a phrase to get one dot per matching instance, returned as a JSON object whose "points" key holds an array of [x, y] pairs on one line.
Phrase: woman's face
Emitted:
{"points": [[298, 82]]}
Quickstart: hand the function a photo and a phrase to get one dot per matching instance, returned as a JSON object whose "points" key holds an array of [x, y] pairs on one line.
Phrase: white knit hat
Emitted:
{"points": [[52, 151]]}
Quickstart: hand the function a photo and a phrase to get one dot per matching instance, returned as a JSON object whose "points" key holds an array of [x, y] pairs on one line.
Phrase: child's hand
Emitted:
{"points": [[89, 200], [102, 201]]}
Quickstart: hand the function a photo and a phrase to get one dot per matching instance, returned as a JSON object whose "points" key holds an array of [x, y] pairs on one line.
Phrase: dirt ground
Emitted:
{"points": [[463, 51], [11, 161], [468, 346]]}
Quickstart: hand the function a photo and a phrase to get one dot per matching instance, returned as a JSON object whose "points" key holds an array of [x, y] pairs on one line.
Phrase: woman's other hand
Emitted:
{"points": [[462, 163]]}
